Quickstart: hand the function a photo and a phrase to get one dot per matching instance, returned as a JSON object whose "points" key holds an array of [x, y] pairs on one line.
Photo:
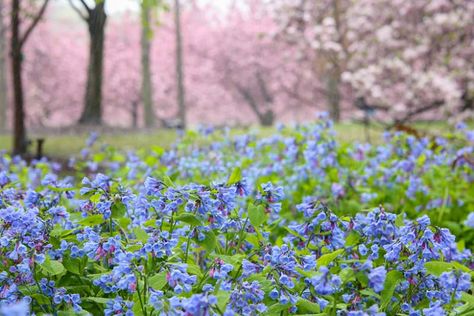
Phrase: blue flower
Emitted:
{"points": [[377, 278]]}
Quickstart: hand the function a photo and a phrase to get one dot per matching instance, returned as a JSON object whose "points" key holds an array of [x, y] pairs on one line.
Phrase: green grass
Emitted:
{"points": [[67, 144]]}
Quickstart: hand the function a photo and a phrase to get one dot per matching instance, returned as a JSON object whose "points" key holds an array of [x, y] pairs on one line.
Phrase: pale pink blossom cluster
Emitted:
{"points": [[401, 55]]}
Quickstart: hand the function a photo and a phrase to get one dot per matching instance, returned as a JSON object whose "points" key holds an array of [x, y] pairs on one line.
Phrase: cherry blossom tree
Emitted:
{"points": [[319, 30], [3, 67], [18, 38], [403, 57], [95, 18], [236, 73], [413, 56]]}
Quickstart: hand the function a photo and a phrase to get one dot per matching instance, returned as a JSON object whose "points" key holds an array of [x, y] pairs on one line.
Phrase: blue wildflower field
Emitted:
{"points": [[219, 224]]}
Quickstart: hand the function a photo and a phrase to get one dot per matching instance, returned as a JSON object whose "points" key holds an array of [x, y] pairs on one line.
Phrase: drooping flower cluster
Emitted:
{"points": [[265, 236]]}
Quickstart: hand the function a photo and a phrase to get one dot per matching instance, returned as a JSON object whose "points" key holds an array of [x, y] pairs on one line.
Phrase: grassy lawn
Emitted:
{"points": [[65, 144]]}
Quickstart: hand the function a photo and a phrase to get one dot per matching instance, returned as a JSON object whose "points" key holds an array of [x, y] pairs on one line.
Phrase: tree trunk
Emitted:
{"points": [[147, 94], [92, 113], [19, 131], [3, 71], [267, 118], [333, 81], [134, 113], [179, 66]]}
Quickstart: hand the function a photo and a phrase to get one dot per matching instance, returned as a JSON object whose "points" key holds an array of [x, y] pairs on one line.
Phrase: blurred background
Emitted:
{"points": [[69, 66]]}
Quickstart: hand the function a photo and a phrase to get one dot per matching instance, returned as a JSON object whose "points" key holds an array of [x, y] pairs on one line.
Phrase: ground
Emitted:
{"points": [[66, 143]]}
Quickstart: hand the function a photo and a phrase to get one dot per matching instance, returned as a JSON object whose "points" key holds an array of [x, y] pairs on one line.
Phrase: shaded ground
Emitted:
{"points": [[63, 143]]}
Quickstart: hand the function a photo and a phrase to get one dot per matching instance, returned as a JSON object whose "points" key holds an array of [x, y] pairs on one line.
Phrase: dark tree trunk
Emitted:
{"points": [[92, 113], [134, 113], [179, 65], [267, 118], [19, 131], [3, 70], [334, 95], [147, 94], [17, 42]]}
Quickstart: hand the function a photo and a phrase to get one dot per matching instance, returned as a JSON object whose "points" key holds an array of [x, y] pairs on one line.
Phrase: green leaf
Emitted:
{"points": [[222, 299], [438, 267], [468, 298], [73, 265], [352, 239], [140, 234], [209, 242], [92, 220], [96, 198], [124, 222], [168, 182], [194, 269], [235, 176], [305, 306], [326, 259], [399, 220], [41, 299], [190, 219], [52, 267], [257, 215], [276, 309], [391, 281], [158, 281], [99, 300], [118, 210], [462, 267]]}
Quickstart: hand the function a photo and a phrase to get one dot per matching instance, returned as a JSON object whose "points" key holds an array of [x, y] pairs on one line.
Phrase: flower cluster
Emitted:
{"points": [[281, 225]]}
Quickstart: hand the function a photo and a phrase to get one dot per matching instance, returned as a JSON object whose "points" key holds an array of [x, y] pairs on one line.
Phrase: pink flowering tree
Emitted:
{"points": [[403, 57], [413, 56]]}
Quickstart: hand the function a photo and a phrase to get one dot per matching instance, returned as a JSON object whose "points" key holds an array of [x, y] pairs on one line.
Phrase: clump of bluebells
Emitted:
{"points": [[274, 226]]}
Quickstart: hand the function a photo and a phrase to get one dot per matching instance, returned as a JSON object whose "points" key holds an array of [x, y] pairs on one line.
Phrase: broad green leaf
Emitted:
{"points": [[124, 222], [276, 309], [190, 219], [352, 239], [118, 210], [393, 278], [140, 234], [99, 300], [438, 267], [95, 198], [305, 306], [41, 299], [462, 267], [326, 259], [73, 265], [209, 242], [399, 220], [92, 220], [257, 215], [194, 269], [235, 176], [52, 267], [222, 299], [158, 281], [468, 298], [168, 182]]}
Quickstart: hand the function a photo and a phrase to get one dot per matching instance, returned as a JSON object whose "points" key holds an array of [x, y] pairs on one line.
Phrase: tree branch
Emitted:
{"points": [[263, 88], [415, 112], [75, 8], [34, 22], [249, 99], [88, 9]]}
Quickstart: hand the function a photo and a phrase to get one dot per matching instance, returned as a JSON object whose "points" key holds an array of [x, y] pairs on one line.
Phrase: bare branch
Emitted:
{"points": [[88, 9], [75, 8], [411, 114], [34, 22]]}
